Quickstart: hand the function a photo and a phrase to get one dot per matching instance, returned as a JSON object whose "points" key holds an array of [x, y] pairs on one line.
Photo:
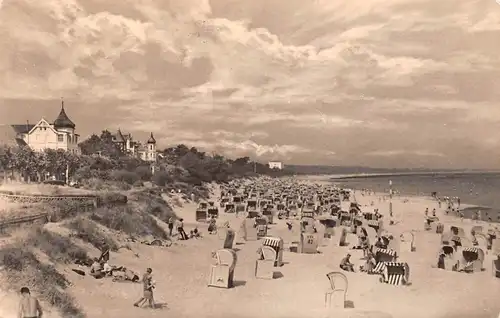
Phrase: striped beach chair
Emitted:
{"points": [[375, 224], [395, 273], [378, 269], [385, 255], [472, 259], [308, 214], [276, 243]]}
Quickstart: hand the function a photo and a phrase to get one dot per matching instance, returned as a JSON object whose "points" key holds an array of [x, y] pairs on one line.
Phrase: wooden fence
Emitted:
{"points": [[40, 217]]}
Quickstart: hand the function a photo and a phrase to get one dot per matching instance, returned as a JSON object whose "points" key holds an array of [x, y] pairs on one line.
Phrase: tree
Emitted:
{"points": [[102, 144], [24, 161], [243, 161], [6, 161]]}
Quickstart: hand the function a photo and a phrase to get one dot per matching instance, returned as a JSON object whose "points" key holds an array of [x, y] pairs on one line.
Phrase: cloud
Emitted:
{"points": [[248, 147], [391, 153], [320, 77]]}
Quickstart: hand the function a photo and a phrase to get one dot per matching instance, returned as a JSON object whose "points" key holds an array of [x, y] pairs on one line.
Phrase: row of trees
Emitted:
{"points": [[179, 163]]}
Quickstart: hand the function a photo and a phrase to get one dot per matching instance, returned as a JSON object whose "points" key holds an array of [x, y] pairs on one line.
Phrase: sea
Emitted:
{"points": [[480, 190]]}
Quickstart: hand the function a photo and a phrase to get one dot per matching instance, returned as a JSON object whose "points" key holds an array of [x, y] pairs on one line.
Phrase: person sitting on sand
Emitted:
{"points": [[369, 264], [29, 306], [108, 269], [122, 273], [194, 233], [289, 225], [346, 264], [96, 269], [365, 245], [212, 226]]}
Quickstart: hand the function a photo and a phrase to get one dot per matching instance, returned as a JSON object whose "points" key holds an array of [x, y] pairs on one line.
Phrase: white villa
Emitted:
{"points": [[146, 152], [46, 135], [276, 165]]}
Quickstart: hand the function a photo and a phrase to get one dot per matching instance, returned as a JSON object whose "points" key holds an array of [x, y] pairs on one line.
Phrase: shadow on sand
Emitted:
{"points": [[238, 283], [349, 304], [278, 275], [161, 306]]}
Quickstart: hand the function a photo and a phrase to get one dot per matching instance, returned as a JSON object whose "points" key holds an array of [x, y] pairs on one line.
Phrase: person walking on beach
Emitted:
{"points": [[426, 211], [147, 282], [433, 212], [29, 306]]}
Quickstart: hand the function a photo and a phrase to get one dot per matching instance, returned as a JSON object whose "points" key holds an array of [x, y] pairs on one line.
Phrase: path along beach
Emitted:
{"points": [[181, 274]]}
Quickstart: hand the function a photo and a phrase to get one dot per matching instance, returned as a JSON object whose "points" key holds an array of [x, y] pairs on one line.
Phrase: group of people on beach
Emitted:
{"points": [[179, 224]]}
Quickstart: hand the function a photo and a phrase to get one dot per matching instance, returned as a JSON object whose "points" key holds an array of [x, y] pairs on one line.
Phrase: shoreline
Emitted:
{"points": [[468, 208], [407, 174]]}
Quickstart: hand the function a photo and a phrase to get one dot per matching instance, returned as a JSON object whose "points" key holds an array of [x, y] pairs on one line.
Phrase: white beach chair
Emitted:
{"points": [[338, 290]]}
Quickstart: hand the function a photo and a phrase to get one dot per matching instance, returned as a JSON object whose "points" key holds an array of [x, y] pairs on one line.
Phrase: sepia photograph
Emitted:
{"points": [[250, 158]]}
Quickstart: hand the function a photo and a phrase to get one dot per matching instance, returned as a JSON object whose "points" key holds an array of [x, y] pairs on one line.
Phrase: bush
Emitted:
{"points": [[89, 232], [125, 176], [151, 202], [24, 269], [161, 178], [61, 210], [128, 221], [58, 248], [144, 173], [112, 198]]}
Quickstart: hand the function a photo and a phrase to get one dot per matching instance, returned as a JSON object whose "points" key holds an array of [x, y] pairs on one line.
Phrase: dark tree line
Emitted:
{"points": [[101, 158]]}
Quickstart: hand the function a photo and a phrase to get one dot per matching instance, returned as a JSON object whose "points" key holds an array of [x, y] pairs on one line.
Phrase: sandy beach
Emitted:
{"points": [[181, 272]]}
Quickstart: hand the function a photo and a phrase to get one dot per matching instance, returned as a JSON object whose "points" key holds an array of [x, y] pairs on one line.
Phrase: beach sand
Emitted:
{"points": [[181, 272]]}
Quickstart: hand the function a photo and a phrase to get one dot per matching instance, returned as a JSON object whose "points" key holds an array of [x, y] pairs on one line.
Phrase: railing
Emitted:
{"points": [[45, 198], [23, 219]]}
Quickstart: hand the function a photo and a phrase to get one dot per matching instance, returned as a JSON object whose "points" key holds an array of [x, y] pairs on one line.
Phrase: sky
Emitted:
{"points": [[380, 83]]}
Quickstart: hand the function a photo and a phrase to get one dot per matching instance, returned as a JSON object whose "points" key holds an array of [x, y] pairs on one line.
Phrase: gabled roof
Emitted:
{"points": [[63, 121], [44, 123], [119, 136], [8, 136], [22, 129]]}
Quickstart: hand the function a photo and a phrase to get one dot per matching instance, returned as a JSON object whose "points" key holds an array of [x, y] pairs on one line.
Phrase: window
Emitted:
{"points": [[60, 137]]}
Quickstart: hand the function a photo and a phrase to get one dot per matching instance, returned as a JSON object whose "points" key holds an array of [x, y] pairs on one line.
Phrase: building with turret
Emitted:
{"points": [[129, 146], [59, 134]]}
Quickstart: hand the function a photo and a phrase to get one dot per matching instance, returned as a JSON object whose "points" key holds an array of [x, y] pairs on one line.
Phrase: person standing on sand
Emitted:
{"points": [[426, 212], [180, 229], [147, 281], [170, 225], [29, 306]]}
